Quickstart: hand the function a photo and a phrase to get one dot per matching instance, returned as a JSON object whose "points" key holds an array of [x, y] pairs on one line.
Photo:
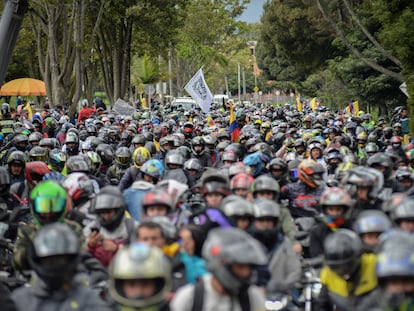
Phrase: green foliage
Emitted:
{"points": [[146, 70], [296, 36], [156, 24], [210, 37]]}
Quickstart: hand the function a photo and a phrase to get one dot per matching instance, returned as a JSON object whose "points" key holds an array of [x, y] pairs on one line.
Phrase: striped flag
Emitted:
{"points": [[234, 126]]}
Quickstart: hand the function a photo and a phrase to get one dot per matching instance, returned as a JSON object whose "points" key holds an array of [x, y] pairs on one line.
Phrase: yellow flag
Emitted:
{"points": [[298, 103], [313, 104], [144, 103], [29, 108], [356, 107]]}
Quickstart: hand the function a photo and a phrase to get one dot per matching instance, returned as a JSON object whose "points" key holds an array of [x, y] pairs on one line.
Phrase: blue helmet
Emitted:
{"points": [[153, 168], [396, 251], [254, 160]]}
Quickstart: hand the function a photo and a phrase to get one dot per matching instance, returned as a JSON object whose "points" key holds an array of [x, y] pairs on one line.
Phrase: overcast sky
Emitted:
{"points": [[253, 11]]}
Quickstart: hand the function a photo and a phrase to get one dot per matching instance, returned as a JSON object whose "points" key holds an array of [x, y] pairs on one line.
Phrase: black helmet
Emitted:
{"points": [[123, 157], [226, 246], [234, 206], [106, 153], [381, 159], [5, 109], [151, 147], [223, 136], [193, 164], [239, 149], [221, 146], [60, 245], [268, 209], [197, 141], [38, 153], [342, 250], [35, 137], [403, 210], [214, 182], [91, 130], [17, 157], [266, 183], [366, 177], [21, 141], [96, 141], [185, 151], [109, 198], [174, 157], [77, 164], [149, 136], [264, 148], [72, 144], [139, 140], [229, 156], [278, 164]]}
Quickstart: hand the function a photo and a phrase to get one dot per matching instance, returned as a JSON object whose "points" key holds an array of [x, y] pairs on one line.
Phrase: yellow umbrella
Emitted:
{"points": [[23, 87]]}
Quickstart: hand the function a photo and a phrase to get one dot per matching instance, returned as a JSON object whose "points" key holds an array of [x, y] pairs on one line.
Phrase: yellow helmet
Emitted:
{"points": [[140, 155], [140, 262]]}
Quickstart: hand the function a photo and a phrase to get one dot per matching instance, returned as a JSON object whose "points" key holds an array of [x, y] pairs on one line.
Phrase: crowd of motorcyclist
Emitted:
{"points": [[174, 210]]}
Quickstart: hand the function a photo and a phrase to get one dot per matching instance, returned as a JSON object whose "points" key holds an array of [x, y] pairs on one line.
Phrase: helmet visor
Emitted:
{"points": [[294, 173], [123, 160], [49, 204]]}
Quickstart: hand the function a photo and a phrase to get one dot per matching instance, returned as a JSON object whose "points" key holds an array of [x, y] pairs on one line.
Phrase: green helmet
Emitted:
{"points": [[51, 123], [48, 202]]}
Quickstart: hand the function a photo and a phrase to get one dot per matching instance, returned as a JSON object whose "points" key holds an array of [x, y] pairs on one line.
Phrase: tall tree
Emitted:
{"points": [[62, 47], [397, 18], [296, 36], [209, 35]]}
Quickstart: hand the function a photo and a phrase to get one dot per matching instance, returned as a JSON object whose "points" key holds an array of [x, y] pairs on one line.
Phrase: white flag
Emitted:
{"points": [[199, 91]]}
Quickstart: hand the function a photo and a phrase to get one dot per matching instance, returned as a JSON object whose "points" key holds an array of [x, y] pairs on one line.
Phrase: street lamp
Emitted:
{"points": [[252, 47]]}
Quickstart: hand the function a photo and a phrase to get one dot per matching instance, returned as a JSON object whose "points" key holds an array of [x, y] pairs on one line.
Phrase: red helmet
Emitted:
{"points": [[396, 140], [241, 181], [35, 171], [157, 197], [335, 196]]}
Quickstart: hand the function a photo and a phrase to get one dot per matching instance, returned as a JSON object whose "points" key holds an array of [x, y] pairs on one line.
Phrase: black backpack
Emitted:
{"points": [[198, 301]]}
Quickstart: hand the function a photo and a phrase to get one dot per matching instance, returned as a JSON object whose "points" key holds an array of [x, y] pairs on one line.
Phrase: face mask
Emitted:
{"points": [[268, 237]]}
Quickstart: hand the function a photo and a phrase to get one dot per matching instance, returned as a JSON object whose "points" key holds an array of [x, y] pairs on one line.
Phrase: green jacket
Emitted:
{"points": [[25, 235]]}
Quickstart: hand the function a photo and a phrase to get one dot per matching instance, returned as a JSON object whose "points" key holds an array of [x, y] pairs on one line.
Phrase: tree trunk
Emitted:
{"points": [[395, 75], [78, 39]]}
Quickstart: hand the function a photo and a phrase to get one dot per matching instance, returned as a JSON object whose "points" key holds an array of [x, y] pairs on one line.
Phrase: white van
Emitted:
{"points": [[186, 103], [218, 98]]}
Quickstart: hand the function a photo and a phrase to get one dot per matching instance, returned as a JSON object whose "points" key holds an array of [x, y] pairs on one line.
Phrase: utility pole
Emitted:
{"points": [[227, 85], [170, 82], [244, 84], [252, 47], [238, 80]]}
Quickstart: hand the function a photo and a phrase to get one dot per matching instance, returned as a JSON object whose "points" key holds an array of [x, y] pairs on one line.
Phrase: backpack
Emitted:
{"points": [[198, 301]]}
